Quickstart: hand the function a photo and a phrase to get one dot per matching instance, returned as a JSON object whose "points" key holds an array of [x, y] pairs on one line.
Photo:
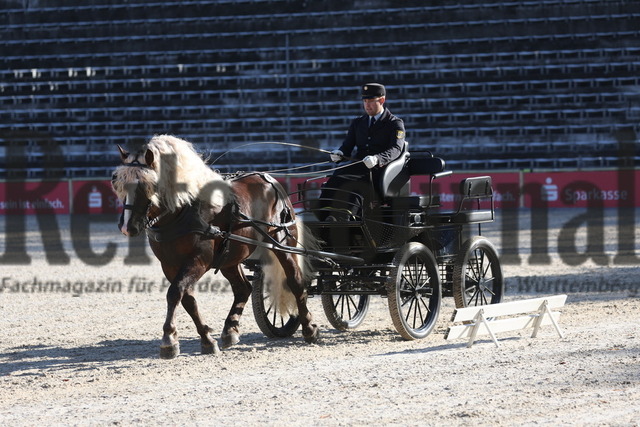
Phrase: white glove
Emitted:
{"points": [[336, 156], [370, 161]]}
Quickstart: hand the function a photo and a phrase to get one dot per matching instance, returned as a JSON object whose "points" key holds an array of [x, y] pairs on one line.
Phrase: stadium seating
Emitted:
{"points": [[509, 84]]}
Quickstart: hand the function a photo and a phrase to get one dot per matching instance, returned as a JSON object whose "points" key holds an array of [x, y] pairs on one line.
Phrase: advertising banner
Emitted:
{"points": [[31, 197], [506, 188], [581, 189], [92, 197]]}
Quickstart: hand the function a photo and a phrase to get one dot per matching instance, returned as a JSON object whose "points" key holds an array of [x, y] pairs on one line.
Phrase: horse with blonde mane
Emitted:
{"points": [[168, 190]]}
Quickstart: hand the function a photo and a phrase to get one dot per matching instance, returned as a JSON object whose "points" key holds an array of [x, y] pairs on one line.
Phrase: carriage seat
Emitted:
{"points": [[395, 180], [476, 189], [426, 166]]}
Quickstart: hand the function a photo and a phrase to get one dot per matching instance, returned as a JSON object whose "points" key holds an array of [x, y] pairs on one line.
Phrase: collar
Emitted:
{"points": [[377, 116]]}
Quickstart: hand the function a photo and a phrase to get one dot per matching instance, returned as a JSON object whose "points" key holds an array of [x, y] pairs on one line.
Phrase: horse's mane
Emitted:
{"points": [[178, 173]]}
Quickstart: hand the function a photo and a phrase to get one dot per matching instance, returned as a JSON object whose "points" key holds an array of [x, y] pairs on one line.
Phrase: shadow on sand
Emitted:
{"points": [[43, 357]]}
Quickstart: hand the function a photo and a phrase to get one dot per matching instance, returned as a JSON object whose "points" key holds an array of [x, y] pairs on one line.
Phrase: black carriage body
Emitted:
{"points": [[377, 233], [377, 244], [401, 247]]}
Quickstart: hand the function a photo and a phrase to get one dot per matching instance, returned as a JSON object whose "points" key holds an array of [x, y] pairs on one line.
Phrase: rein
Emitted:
{"points": [[270, 142], [151, 222], [280, 172], [320, 172]]}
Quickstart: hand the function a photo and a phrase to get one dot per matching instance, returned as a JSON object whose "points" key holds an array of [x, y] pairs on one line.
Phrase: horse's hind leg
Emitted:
{"points": [[296, 284], [241, 293]]}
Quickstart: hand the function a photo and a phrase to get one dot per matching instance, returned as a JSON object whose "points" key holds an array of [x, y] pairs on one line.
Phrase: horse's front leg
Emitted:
{"points": [[181, 290], [170, 347], [241, 293], [207, 343]]}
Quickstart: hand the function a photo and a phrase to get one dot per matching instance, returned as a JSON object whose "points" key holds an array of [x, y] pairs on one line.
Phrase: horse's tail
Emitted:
{"points": [[274, 276], [306, 240]]}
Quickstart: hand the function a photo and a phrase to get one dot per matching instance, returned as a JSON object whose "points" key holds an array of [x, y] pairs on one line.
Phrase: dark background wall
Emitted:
{"points": [[487, 84]]}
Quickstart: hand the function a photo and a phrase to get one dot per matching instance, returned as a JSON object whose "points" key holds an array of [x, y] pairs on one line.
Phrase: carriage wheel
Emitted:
{"points": [[477, 275], [345, 311], [270, 320], [415, 294]]}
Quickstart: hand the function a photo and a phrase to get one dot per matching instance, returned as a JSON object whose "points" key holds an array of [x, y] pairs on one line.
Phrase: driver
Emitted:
{"points": [[378, 138]]}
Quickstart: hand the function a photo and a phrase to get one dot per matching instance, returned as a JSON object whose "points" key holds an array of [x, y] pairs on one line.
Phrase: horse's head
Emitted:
{"points": [[135, 183], [161, 177]]}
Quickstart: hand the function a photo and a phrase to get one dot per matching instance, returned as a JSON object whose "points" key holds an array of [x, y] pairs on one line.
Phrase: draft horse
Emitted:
{"points": [[167, 189]]}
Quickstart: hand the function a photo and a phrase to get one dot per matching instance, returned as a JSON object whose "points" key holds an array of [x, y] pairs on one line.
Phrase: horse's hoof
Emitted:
{"points": [[211, 348], [314, 336], [169, 352], [230, 339]]}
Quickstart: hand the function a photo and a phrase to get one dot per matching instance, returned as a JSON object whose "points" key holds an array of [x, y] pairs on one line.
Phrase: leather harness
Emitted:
{"points": [[188, 220]]}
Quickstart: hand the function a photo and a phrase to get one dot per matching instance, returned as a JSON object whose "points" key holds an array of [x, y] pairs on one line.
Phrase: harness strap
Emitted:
{"points": [[286, 215], [223, 248]]}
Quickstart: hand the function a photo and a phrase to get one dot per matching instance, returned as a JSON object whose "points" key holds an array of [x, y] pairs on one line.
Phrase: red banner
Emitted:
{"points": [[539, 189], [94, 197], [30, 197], [582, 189], [506, 191], [511, 189]]}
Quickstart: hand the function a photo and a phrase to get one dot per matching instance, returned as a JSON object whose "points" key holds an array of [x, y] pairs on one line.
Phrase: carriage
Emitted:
{"points": [[402, 247], [393, 244]]}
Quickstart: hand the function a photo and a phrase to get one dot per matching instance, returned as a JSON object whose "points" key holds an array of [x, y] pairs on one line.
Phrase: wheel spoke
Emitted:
{"points": [[473, 266], [341, 301], [486, 298], [477, 277], [337, 302], [411, 300], [480, 258], [415, 299], [422, 304], [425, 303], [475, 297], [346, 305], [419, 269], [417, 314], [415, 292], [407, 282], [352, 305], [272, 311], [486, 269], [488, 285], [345, 311], [268, 307]]}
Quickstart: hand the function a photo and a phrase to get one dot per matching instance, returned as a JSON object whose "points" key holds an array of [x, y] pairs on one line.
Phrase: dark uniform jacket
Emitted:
{"points": [[384, 139]]}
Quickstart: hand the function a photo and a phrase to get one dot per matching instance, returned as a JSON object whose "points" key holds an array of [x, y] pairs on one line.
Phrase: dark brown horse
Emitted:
{"points": [[169, 191]]}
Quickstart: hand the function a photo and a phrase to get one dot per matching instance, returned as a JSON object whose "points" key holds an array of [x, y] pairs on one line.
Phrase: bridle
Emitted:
{"points": [[150, 222]]}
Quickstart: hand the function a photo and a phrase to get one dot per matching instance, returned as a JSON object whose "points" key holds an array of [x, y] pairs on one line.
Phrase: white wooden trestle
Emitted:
{"points": [[491, 319]]}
